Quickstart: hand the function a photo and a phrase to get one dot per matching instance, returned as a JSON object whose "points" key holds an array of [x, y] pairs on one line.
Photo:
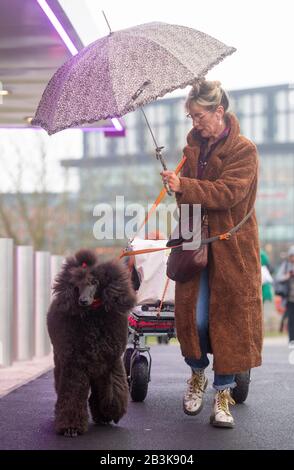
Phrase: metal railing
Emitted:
{"points": [[26, 279]]}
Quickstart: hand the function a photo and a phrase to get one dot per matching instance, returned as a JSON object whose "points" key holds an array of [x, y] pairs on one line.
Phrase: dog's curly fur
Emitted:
{"points": [[88, 342]]}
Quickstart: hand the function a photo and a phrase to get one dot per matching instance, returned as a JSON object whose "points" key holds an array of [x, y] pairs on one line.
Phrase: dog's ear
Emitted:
{"points": [[117, 292], [63, 289], [64, 296]]}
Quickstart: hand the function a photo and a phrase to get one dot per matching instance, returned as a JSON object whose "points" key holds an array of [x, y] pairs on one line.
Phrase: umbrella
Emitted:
{"points": [[125, 70]]}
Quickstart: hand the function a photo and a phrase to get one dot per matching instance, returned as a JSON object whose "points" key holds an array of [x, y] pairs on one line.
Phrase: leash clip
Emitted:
{"points": [[225, 236]]}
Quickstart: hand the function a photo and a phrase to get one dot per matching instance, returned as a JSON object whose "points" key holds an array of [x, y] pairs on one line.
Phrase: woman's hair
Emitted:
{"points": [[208, 94]]}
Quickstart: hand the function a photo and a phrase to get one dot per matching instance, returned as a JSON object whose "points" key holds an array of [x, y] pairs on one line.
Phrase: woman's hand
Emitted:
{"points": [[172, 179]]}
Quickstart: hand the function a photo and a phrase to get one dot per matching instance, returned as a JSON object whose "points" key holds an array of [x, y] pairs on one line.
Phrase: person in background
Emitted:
{"points": [[267, 280], [285, 274]]}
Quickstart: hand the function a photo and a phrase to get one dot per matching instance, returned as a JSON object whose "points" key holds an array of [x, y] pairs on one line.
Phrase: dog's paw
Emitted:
{"points": [[102, 419], [70, 432]]}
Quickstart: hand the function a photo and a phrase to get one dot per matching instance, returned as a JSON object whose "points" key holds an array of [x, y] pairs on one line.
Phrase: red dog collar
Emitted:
{"points": [[96, 303]]}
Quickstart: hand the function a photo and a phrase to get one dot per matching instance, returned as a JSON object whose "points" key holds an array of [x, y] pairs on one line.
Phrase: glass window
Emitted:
{"points": [[258, 128], [157, 114], [233, 104], [291, 99], [181, 131], [162, 114], [162, 133], [281, 101], [244, 104], [101, 143], [258, 103], [281, 128], [120, 146], [291, 127], [149, 144], [131, 144], [130, 119], [180, 110], [245, 124]]}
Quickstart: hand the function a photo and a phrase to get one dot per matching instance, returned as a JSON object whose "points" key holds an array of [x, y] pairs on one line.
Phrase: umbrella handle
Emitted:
{"points": [[168, 190], [162, 161]]}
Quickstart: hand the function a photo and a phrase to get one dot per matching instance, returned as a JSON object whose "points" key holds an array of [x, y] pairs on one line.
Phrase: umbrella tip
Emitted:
{"points": [[110, 32]]}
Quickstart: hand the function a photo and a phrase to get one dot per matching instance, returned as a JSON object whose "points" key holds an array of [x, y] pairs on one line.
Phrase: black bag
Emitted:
{"points": [[182, 265], [281, 288]]}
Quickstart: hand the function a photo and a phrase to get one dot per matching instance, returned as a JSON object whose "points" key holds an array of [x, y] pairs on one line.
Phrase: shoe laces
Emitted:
{"points": [[223, 400], [196, 383]]}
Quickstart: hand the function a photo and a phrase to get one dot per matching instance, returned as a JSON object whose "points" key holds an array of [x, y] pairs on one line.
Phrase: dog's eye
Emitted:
{"points": [[94, 282]]}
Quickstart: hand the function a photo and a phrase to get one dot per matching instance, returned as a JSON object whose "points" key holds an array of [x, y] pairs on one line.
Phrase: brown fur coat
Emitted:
{"points": [[228, 191]]}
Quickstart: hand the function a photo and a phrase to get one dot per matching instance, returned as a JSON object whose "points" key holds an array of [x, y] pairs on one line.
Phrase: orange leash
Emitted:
{"points": [[155, 204], [162, 298]]}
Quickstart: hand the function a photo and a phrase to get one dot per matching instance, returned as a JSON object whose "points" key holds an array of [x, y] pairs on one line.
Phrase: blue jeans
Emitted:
{"points": [[202, 322]]}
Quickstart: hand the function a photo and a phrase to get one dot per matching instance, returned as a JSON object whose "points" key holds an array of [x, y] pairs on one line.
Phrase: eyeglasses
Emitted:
{"points": [[197, 117]]}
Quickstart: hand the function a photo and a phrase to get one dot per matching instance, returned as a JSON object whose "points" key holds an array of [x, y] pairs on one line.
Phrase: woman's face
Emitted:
{"points": [[207, 123]]}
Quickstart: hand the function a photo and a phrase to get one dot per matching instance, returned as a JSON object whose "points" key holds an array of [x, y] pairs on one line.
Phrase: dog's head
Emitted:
{"points": [[85, 284]]}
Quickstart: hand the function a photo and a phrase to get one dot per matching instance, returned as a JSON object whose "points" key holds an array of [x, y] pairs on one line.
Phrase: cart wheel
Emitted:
{"points": [[127, 360], [139, 379], [240, 392]]}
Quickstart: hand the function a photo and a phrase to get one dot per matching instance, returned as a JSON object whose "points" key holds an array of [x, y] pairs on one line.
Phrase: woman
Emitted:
{"points": [[285, 275], [220, 173]]}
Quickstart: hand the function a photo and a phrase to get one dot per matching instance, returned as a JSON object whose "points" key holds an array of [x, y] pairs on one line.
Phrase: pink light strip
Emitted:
{"points": [[84, 129], [73, 50], [117, 124], [58, 26]]}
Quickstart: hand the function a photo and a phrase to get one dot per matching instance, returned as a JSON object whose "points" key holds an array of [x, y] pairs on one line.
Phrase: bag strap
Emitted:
{"points": [[227, 235], [204, 241]]}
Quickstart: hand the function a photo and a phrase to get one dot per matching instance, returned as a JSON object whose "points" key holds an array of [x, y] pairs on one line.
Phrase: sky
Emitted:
{"points": [[261, 31], [21, 161]]}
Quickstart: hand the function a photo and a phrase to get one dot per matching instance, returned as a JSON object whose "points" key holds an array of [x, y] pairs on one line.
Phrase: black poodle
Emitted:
{"points": [[88, 327]]}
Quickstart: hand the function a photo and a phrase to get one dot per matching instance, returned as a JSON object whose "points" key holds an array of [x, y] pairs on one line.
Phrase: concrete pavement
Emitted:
{"points": [[264, 421]]}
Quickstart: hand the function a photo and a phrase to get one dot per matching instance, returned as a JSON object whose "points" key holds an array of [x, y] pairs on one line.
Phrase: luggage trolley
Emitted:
{"points": [[143, 322]]}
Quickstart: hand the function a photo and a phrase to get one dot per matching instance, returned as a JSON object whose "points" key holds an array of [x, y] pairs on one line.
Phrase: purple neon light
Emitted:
{"points": [[111, 130], [58, 26], [73, 50]]}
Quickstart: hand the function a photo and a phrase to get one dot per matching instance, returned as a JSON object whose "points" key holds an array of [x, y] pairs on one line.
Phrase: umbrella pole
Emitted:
{"points": [[158, 152]]}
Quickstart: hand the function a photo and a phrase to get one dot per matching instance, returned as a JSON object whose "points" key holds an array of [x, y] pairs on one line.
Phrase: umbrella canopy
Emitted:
{"points": [[125, 70]]}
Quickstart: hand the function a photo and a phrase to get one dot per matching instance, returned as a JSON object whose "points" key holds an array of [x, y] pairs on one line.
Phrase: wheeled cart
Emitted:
{"points": [[143, 322]]}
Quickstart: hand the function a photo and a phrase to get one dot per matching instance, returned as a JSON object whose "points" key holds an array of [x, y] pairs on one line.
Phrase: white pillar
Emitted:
{"points": [[24, 308], [42, 302], [6, 301]]}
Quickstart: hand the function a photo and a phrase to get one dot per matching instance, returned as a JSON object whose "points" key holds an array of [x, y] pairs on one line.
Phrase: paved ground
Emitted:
{"points": [[264, 421], [22, 372]]}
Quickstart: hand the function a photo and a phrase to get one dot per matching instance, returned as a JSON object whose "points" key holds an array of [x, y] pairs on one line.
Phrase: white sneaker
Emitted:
{"points": [[193, 398], [221, 416]]}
